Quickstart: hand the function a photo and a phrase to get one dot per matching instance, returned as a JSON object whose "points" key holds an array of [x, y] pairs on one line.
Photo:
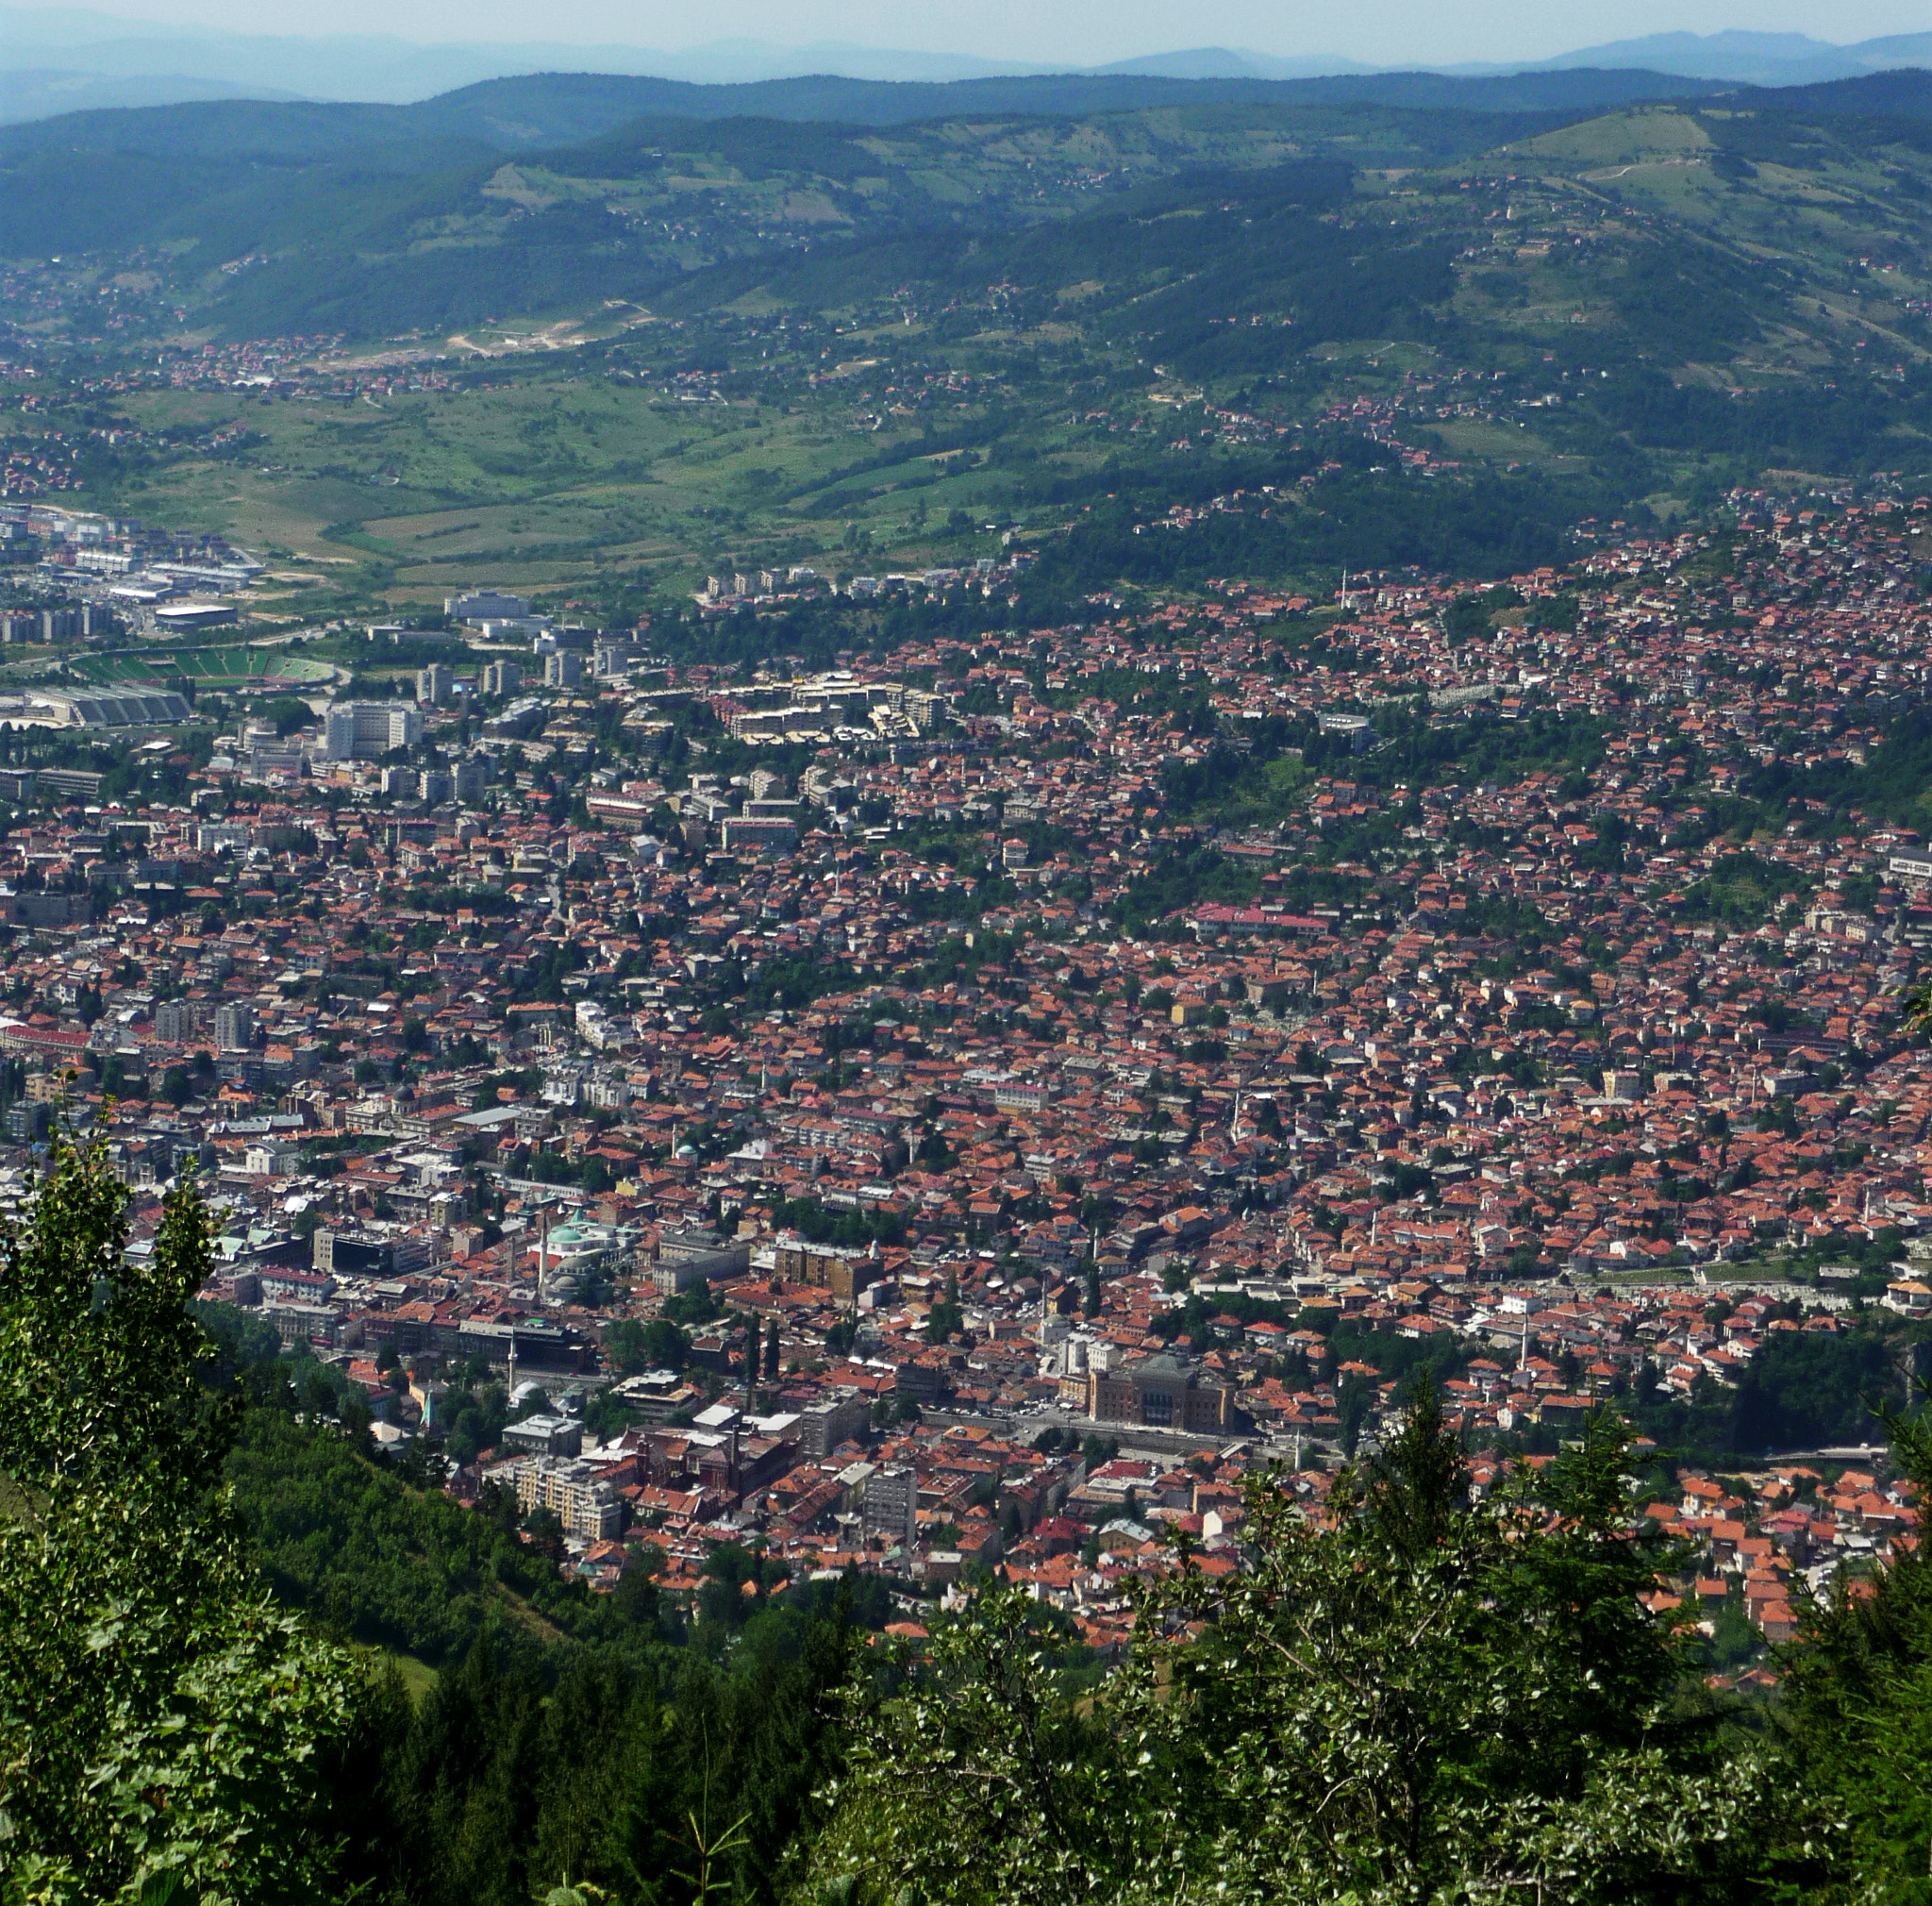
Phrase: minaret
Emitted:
{"points": [[512, 1362]]}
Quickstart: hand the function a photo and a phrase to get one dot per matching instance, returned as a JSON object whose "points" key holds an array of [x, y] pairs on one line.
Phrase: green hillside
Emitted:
{"points": [[685, 343], [355, 218]]}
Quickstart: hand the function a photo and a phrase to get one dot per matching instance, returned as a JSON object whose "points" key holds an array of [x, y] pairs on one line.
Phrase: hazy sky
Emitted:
{"points": [[1382, 32]]}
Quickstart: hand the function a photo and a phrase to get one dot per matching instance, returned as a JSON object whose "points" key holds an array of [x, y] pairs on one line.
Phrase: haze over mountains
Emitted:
{"points": [[62, 60]]}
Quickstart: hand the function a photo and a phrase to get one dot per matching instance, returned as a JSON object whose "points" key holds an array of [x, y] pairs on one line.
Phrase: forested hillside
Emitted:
{"points": [[663, 185]]}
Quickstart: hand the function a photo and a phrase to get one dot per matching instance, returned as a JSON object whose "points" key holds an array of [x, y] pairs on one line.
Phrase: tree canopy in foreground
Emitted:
{"points": [[161, 1720]]}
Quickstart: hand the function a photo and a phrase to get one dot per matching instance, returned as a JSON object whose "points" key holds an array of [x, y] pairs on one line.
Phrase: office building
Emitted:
{"points": [[588, 1506], [367, 730]]}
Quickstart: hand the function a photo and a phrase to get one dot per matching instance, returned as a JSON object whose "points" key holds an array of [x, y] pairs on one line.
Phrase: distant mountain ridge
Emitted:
{"points": [[36, 94], [59, 61], [543, 110], [1749, 59]]}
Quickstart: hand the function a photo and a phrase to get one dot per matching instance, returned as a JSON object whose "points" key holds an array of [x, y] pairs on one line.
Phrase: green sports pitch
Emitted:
{"points": [[237, 666]]}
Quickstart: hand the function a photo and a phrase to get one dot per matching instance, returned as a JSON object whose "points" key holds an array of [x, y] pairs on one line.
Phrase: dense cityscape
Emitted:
{"points": [[966, 1109]]}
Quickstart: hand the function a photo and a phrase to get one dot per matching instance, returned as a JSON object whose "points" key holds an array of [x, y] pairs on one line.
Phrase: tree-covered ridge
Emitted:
{"points": [[1415, 337], [439, 213]]}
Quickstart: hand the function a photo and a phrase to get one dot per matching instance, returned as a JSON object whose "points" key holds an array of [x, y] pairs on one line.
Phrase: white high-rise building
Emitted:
{"points": [[484, 605], [366, 730]]}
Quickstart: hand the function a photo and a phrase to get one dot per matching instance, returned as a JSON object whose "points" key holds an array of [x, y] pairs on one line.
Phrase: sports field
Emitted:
{"points": [[236, 665]]}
